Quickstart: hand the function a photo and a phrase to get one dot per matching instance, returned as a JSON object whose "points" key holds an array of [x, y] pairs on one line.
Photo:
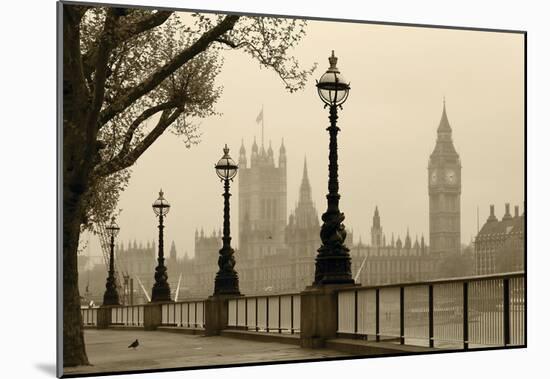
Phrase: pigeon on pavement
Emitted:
{"points": [[134, 344]]}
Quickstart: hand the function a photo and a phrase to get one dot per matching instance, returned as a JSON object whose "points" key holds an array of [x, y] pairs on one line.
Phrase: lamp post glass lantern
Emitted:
{"points": [[110, 297], [333, 262], [227, 280], [161, 288]]}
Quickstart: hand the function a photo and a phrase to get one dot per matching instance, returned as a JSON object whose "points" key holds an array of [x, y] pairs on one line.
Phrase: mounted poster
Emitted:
{"points": [[245, 189]]}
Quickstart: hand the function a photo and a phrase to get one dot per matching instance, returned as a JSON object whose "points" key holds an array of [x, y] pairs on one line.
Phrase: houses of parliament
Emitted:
{"points": [[277, 250]]}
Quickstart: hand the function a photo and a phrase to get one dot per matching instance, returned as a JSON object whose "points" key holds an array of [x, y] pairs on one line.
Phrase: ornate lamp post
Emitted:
{"points": [[333, 262], [161, 288], [227, 279], [111, 294]]}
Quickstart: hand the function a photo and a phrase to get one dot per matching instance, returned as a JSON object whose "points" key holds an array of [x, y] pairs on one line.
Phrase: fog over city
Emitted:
{"points": [[399, 77]]}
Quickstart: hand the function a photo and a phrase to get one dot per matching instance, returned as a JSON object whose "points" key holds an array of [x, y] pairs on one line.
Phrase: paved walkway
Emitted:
{"points": [[108, 351]]}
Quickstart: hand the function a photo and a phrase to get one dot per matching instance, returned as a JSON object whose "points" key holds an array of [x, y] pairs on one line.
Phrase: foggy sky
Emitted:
{"points": [[399, 76]]}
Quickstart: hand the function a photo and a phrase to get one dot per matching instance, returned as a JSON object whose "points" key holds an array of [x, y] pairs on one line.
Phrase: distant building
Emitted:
{"points": [[444, 187], [201, 270], [262, 202], [499, 245], [393, 262], [262, 217], [138, 261], [302, 237], [276, 254], [274, 259]]}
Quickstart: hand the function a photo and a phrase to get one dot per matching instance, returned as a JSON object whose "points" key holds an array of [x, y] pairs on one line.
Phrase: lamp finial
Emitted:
{"points": [[333, 59]]}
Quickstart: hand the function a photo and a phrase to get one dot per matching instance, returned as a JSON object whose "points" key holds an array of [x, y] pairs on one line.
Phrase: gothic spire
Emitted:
{"points": [[376, 218], [242, 150], [305, 187], [173, 253], [282, 155], [407, 240], [282, 149], [444, 144], [444, 126]]}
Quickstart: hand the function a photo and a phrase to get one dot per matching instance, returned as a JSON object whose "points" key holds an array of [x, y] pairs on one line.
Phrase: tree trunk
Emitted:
{"points": [[74, 350], [76, 169], [77, 164]]}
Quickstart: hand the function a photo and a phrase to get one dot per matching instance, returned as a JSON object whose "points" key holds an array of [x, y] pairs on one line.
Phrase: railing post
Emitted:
{"points": [[279, 313], [104, 317], [465, 314], [152, 316], [196, 324], [378, 314], [431, 314], [356, 315], [257, 329], [236, 313], [267, 314], [291, 314], [188, 315], [215, 313], [402, 315], [246, 313], [506, 310]]}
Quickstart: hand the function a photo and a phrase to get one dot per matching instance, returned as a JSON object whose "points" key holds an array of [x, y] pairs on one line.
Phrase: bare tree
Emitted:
{"points": [[128, 76]]}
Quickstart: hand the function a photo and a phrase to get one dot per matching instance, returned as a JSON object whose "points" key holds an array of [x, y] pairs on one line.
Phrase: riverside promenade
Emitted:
{"points": [[108, 351]]}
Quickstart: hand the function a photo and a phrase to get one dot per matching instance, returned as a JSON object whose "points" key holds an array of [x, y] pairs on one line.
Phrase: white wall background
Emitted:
{"points": [[28, 185]]}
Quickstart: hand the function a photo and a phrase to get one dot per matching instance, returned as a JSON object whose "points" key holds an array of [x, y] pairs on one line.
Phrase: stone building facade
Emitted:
{"points": [[394, 262], [500, 244]]}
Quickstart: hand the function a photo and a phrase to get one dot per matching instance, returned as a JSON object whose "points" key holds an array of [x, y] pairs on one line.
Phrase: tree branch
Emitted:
{"points": [[230, 43], [75, 93], [121, 162], [100, 68], [140, 119], [125, 32], [120, 104], [146, 23]]}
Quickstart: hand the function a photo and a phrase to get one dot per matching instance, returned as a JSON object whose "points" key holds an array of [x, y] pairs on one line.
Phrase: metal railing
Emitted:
{"points": [[274, 313], [461, 312], [127, 315], [89, 316], [186, 314]]}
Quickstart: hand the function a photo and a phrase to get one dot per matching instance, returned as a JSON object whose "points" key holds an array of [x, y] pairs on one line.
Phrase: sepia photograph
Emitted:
{"points": [[245, 189]]}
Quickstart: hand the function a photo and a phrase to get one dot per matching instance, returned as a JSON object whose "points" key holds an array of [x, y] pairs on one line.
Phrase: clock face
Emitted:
{"points": [[450, 177], [433, 177]]}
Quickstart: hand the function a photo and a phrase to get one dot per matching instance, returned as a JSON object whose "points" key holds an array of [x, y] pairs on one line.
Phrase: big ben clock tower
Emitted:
{"points": [[444, 186]]}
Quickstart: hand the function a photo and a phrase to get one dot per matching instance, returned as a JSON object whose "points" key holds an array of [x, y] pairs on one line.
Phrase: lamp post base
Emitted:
{"points": [[333, 269], [226, 284], [111, 297], [160, 293]]}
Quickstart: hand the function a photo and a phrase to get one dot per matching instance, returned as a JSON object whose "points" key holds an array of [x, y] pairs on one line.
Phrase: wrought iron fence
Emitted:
{"points": [[274, 313], [89, 316], [463, 312], [185, 314], [127, 315]]}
